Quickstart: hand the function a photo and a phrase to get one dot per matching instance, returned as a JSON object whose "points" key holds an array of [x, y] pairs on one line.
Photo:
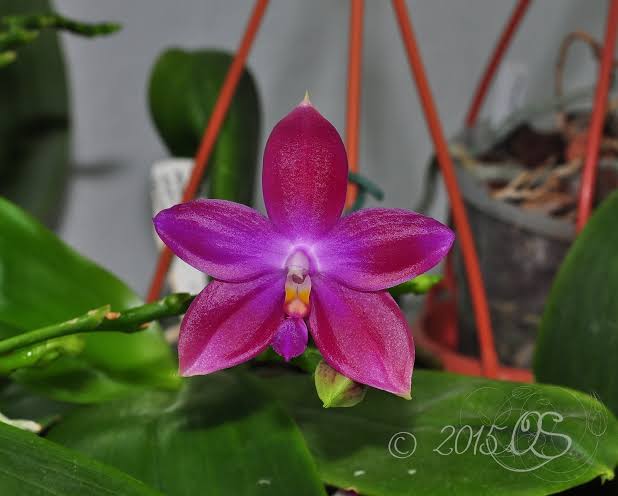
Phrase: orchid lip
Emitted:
{"points": [[297, 285]]}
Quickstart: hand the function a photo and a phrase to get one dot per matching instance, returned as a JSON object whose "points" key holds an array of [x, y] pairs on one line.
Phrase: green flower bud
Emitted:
{"points": [[336, 390]]}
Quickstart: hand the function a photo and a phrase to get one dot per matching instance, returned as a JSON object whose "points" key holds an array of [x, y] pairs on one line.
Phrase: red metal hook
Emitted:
{"points": [[595, 132], [489, 357], [494, 61], [210, 134], [352, 128]]}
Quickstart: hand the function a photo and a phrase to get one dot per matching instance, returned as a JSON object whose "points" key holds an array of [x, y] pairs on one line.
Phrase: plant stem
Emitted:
{"points": [[14, 38], [86, 322], [40, 353], [131, 320], [137, 319], [36, 22], [24, 29], [365, 187], [102, 319]]}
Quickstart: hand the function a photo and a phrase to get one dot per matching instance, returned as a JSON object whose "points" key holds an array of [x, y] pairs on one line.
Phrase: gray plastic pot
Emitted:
{"points": [[520, 253]]}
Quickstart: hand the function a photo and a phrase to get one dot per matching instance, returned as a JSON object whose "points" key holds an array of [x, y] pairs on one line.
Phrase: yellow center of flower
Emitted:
{"points": [[297, 286]]}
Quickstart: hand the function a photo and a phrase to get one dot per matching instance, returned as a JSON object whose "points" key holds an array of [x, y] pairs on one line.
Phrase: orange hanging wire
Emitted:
{"points": [[352, 128], [494, 61], [211, 133], [489, 357], [589, 173]]}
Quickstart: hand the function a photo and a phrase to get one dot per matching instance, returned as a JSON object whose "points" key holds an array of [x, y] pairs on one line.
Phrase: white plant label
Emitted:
{"points": [[168, 179]]}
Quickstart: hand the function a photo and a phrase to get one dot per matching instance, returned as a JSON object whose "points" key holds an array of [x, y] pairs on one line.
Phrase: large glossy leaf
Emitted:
{"points": [[34, 121], [578, 340], [31, 466], [184, 86], [387, 446], [17, 402], [43, 281], [219, 436]]}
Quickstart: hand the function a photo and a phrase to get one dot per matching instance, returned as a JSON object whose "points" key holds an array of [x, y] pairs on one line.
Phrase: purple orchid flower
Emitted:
{"points": [[303, 262]]}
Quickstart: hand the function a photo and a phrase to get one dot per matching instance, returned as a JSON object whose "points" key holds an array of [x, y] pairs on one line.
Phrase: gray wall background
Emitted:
{"points": [[302, 45]]}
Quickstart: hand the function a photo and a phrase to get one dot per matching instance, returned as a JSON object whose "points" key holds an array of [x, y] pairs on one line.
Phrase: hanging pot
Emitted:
{"points": [[520, 250]]}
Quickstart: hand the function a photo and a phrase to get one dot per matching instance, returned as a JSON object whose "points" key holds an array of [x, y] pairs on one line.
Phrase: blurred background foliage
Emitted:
{"points": [[35, 121], [183, 89]]}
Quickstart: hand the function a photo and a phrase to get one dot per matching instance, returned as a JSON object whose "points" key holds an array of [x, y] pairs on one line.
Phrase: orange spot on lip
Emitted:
{"points": [[297, 294], [303, 295]]}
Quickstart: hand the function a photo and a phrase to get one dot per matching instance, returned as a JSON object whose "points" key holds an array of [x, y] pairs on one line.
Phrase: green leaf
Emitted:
{"points": [[16, 402], [43, 281], [34, 122], [419, 285], [387, 446], [578, 340], [184, 86], [33, 466], [218, 436]]}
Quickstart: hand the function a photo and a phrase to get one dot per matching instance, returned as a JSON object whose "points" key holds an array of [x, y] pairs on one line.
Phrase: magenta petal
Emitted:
{"points": [[375, 249], [226, 240], [230, 323], [362, 335], [305, 174], [291, 338]]}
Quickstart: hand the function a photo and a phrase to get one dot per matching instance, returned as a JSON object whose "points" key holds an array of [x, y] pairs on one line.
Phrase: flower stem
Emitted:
{"points": [[57, 21], [86, 322], [101, 319], [40, 353], [19, 30], [33, 346], [365, 187]]}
